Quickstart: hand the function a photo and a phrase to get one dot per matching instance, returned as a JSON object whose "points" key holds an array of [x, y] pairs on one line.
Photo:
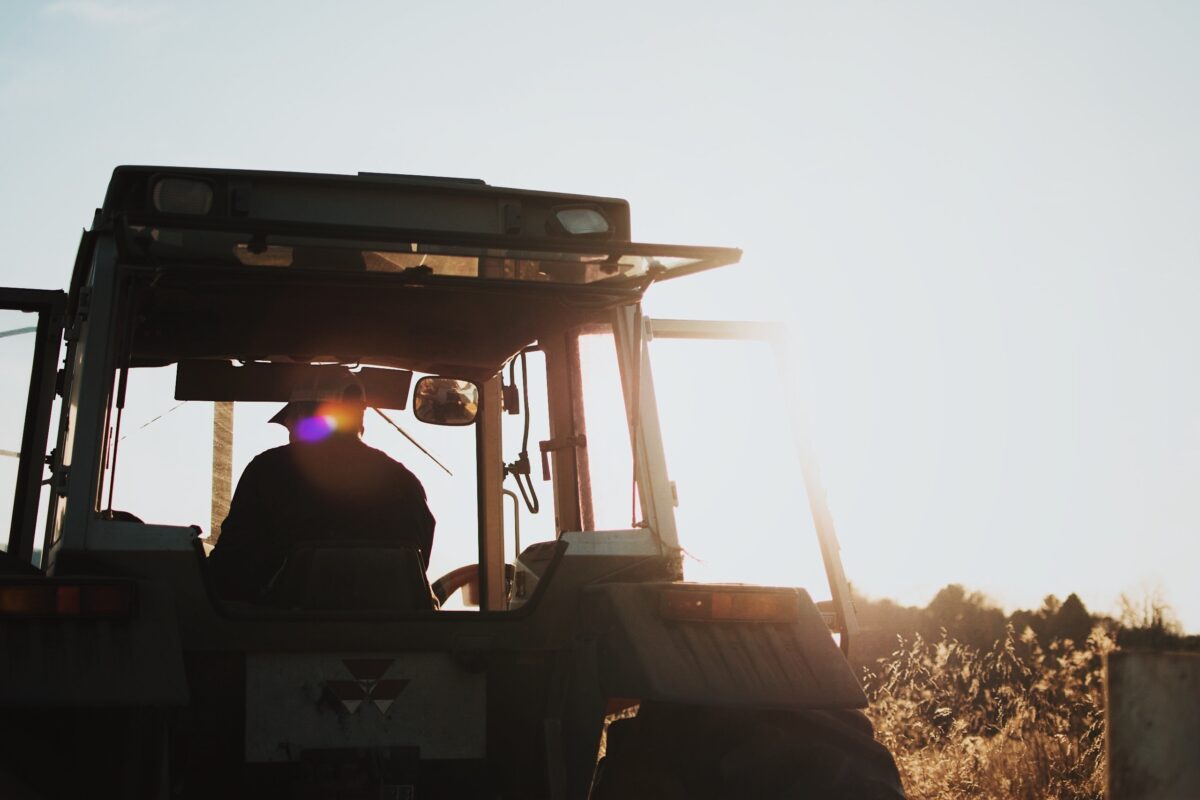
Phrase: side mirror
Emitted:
{"points": [[445, 401]]}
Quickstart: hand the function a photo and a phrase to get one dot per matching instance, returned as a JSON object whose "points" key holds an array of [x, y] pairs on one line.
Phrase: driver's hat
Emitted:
{"points": [[329, 386]]}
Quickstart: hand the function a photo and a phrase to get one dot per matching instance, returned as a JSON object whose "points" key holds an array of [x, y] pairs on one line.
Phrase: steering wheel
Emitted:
{"points": [[466, 577]]}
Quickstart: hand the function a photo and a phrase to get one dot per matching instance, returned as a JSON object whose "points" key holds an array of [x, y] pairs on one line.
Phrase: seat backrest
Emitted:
{"points": [[352, 576]]}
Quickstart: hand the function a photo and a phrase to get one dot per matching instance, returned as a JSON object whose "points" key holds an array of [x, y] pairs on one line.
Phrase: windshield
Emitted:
{"points": [[170, 462], [165, 470]]}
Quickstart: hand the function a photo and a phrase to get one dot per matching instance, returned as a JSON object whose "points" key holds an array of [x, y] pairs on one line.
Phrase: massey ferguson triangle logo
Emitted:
{"points": [[368, 684]]}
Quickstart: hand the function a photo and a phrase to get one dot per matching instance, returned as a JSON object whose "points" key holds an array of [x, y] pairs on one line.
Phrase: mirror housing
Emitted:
{"points": [[445, 401]]}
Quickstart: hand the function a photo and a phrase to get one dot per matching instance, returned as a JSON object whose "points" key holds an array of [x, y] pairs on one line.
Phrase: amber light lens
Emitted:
{"points": [[36, 599], [736, 606]]}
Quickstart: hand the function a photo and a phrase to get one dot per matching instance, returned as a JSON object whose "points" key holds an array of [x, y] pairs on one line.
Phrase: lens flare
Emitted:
{"points": [[316, 428]]}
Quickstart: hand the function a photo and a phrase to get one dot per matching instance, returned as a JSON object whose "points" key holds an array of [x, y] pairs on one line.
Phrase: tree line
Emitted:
{"points": [[971, 618]]}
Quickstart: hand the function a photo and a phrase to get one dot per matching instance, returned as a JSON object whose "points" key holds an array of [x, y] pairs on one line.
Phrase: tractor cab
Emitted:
{"points": [[498, 342]]}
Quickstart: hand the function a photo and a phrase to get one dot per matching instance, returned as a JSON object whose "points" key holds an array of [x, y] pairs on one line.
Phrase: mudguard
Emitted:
{"points": [[783, 663], [96, 663]]}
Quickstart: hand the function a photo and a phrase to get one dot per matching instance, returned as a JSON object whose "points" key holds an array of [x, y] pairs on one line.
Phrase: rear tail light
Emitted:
{"points": [[741, 606], [51, 598]]}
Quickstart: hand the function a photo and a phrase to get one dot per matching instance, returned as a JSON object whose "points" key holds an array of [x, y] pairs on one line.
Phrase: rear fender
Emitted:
{"points": [[81, 662], [787, 662]]}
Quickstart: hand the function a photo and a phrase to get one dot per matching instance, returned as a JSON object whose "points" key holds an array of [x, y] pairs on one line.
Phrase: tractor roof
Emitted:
{"points": [[459, 228], [436, 274]]}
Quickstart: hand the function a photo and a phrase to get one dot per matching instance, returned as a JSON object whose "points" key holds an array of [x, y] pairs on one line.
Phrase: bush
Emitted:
{"points": [[1018, 720]]}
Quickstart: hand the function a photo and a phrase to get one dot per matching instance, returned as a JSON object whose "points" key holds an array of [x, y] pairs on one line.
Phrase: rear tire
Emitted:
{"points": [[669, 752]]}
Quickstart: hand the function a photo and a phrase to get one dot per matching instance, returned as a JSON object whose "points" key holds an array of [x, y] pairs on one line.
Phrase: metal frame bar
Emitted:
{"points": [[50, 306], [86, 406], [564, 460], [775, 334], [707, 257], [583, 462], [650, 459], [366, 233], [489, 459]]}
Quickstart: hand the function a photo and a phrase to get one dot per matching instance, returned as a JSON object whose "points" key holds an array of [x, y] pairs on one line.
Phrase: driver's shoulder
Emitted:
{"points": [[273, 456], [386, 461]]}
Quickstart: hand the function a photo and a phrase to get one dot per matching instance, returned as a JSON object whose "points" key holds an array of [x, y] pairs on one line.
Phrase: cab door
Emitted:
{"points": [[748, 394], [31, 330]]}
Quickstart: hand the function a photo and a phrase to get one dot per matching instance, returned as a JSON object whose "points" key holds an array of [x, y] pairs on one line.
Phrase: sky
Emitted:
{"points": [[978, 221]]}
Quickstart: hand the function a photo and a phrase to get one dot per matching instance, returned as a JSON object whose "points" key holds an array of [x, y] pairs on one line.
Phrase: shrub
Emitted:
{"points": [[1018, 720]]}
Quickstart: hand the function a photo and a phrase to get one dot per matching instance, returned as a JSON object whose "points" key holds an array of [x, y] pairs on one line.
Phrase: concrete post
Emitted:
{"points": [[1152, 716]]}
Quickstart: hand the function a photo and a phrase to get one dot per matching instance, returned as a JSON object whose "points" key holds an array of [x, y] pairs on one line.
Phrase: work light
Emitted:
{"points": [[182, 196], [579, 221]]}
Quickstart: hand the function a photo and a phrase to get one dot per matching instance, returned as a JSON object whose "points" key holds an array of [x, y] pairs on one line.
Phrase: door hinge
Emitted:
{"points": [[58, 481], [81, 311]]}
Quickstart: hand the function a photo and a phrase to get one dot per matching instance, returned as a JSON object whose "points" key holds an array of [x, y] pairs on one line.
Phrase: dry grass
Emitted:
{"points": [[1022, 720]]}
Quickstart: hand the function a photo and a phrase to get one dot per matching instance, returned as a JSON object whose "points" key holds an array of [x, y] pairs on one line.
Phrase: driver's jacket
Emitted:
{"points": [[337, 489]]}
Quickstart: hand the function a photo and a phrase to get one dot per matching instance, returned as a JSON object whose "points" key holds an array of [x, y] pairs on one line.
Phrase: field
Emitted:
{"points": [[974, 703], [1015, 721]]}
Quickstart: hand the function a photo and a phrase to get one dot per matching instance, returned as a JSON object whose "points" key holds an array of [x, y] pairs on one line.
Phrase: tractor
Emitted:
{"points": [[562, 656]]}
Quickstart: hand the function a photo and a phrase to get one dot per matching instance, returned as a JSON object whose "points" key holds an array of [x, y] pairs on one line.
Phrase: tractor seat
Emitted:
{"points": [[352, 576]]}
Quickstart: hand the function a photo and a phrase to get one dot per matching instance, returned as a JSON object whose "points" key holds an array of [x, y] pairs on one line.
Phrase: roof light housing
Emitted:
{"points": [[583, 221], [175, 195]]}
